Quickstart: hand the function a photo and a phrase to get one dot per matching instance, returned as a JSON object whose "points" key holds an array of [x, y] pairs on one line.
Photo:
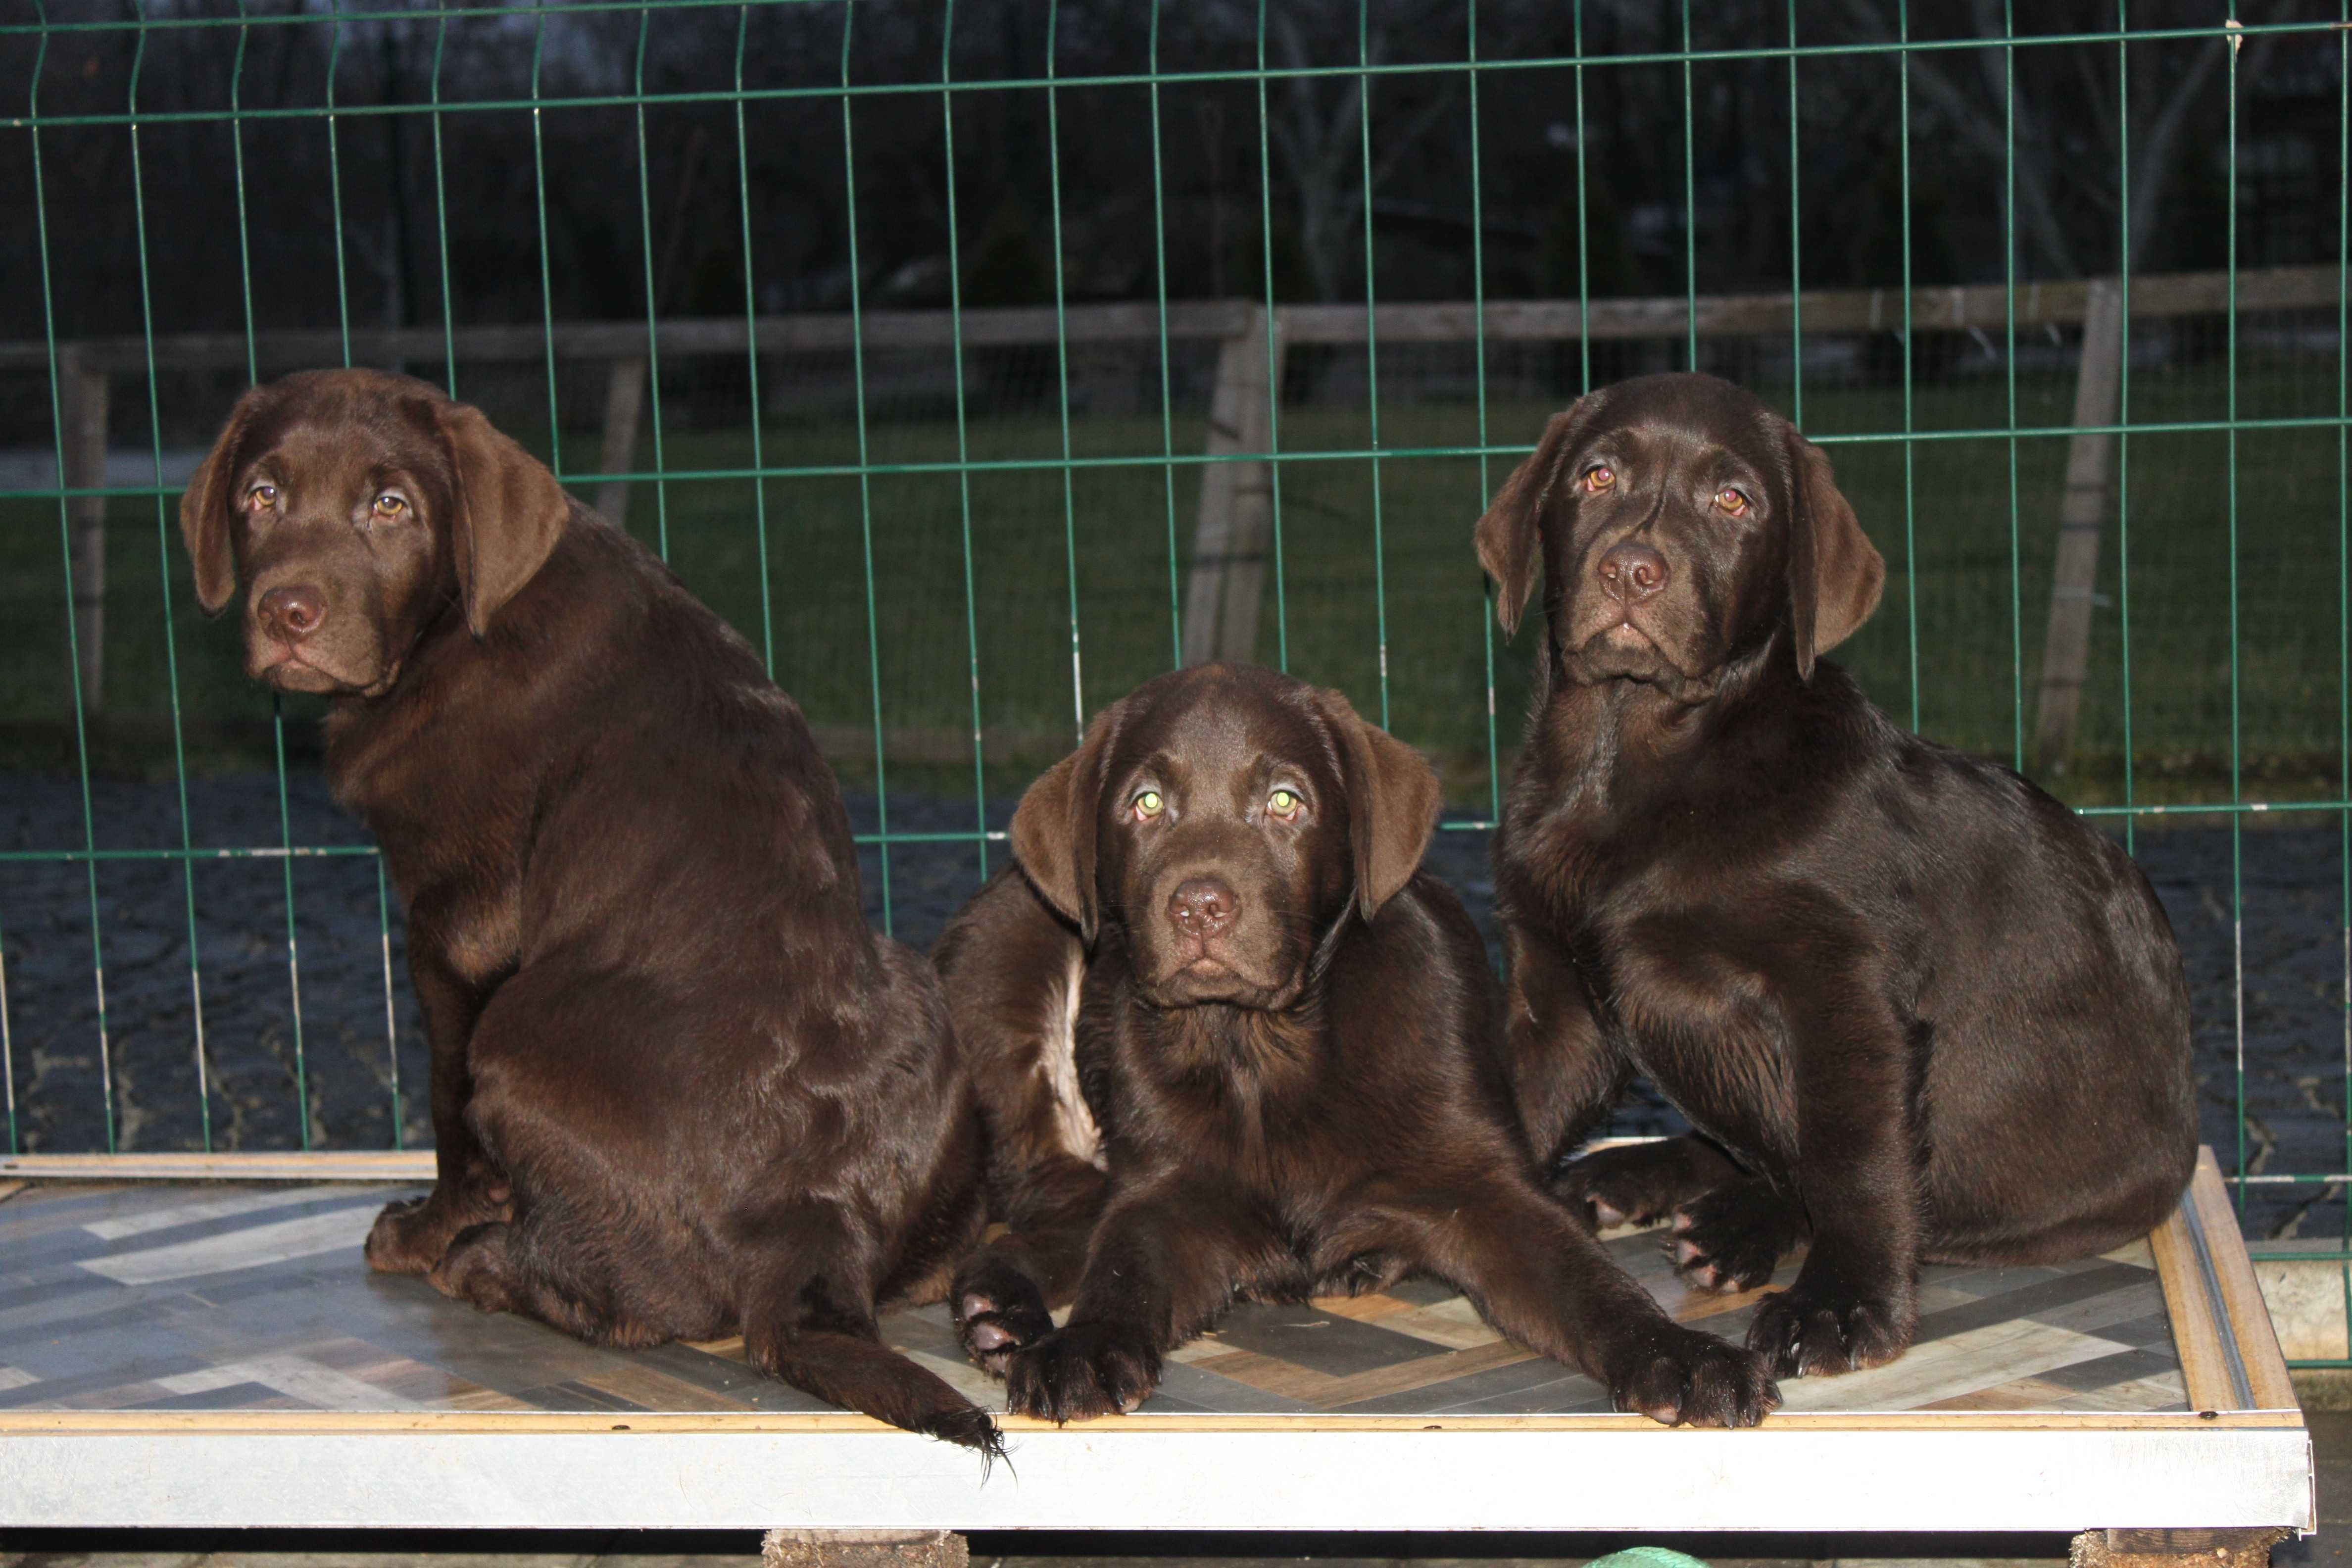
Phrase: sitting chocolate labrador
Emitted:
{"points": [[1914, 1006], [678, 1087], [1285, 1039]]}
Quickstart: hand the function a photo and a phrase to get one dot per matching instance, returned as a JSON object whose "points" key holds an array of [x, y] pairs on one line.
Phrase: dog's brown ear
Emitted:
{"points": [[1394, 797], [1835, 573], [1511, 533], [1054, 827], [204, 507], [511, 512]]}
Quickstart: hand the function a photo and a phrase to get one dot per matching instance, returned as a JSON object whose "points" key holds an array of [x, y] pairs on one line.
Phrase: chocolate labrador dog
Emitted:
{"points": [[1913, 1007], [678, 1087], [1219, 971]]}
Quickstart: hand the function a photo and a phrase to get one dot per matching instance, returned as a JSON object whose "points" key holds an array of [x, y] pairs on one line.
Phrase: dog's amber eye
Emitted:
{"points": [[1148, 805], [1599, 478], [261, 498], [1283, 803], [1732, 500], [389, 506]]}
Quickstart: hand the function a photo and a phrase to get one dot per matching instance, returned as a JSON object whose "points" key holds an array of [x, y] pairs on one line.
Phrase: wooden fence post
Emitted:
{"points": [[2066, 649], [82, 402], [624, 401], [1236, 518]]}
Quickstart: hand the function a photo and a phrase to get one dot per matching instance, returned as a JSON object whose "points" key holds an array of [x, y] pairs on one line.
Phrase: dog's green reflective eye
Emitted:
{"points": [[1149, 803], [1283, 802]]}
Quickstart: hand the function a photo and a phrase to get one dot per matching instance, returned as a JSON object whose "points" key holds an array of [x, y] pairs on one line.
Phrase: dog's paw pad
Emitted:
{"points": [[998, 1317], [985, 1335]]}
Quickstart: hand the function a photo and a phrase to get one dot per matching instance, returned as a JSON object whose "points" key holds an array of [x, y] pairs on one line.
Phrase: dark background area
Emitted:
{"points": [[1261, 185]]}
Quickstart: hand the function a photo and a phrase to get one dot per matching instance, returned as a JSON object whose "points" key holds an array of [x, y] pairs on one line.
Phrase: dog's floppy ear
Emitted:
{"points": [[511, 512], [1510, 532], [1393, 799], [1835, 573], [205, 506], [1054, 827]]}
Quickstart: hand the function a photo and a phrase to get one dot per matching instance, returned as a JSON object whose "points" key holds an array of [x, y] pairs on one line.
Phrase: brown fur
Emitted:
{"points": [[679, 1089], [1287, 1045], [1914, 1006]]}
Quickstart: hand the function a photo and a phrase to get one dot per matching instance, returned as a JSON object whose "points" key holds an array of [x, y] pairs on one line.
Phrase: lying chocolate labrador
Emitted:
{"points": [[678, 1087], [1914, 1006], [1284, 1036]]}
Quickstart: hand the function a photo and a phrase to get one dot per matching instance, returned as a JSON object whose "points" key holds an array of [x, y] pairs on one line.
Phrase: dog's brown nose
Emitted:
{"points": [[289, 614], [1204, 906], [1631, 572]]}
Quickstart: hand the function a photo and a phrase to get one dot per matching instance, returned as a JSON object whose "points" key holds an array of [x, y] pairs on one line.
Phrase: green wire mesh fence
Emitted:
{"points": [[980, 360]]}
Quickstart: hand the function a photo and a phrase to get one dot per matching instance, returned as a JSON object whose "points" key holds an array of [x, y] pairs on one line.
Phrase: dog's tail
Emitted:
{"points": [[861, 1372]]}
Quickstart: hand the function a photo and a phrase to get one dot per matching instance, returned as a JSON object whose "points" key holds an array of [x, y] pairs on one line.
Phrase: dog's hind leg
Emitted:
{"points": [[1003, 1293], [1634, 1183], [1732, 1238], [527, 1267]]}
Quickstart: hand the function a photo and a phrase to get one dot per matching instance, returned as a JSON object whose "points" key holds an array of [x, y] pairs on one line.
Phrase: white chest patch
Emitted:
{"points": [[1058, 1064]]}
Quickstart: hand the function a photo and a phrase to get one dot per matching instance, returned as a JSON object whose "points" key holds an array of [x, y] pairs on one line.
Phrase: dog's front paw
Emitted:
{"points": [[1082, 1370], [999, 1312], [1681, 1377], [1632, 1184], [1811, 1330], [410, 1235], [1732, 1239]]}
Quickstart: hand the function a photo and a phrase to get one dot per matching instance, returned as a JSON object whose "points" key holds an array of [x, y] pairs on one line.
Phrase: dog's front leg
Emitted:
{"points": [[1535, 1272], [1855, 1302], [1164, 1261], [411, 1236], [1565, 1074]]}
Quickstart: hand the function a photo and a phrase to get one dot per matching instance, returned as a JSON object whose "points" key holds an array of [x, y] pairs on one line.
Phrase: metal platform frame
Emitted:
{"points": [[2157, 1482]]}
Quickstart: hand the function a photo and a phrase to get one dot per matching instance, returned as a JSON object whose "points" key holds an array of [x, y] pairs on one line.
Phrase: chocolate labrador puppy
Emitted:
{"points": [[1914, 1006], [1219, 971], [678, 1087]]}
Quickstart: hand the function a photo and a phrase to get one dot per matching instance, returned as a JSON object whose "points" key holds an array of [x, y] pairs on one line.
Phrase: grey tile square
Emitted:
{"points": [[1303, 1336]]}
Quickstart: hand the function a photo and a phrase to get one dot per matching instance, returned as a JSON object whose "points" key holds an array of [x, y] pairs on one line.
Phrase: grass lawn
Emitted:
{"points": [[1968, 589]]}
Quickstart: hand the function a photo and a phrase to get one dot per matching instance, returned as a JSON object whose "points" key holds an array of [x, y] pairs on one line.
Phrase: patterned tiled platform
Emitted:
{"points": [[221, 1347], [172, 1297]]}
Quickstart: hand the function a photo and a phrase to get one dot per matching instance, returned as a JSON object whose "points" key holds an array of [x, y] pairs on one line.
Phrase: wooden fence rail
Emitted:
{"points": [[1231, 532]]}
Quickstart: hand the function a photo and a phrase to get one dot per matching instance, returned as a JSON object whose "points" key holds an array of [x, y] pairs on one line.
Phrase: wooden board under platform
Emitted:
{"points": [[186, 1352]]}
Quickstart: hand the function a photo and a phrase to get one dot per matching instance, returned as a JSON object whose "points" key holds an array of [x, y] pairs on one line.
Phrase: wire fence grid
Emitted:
{"points": [[954, 552]]}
